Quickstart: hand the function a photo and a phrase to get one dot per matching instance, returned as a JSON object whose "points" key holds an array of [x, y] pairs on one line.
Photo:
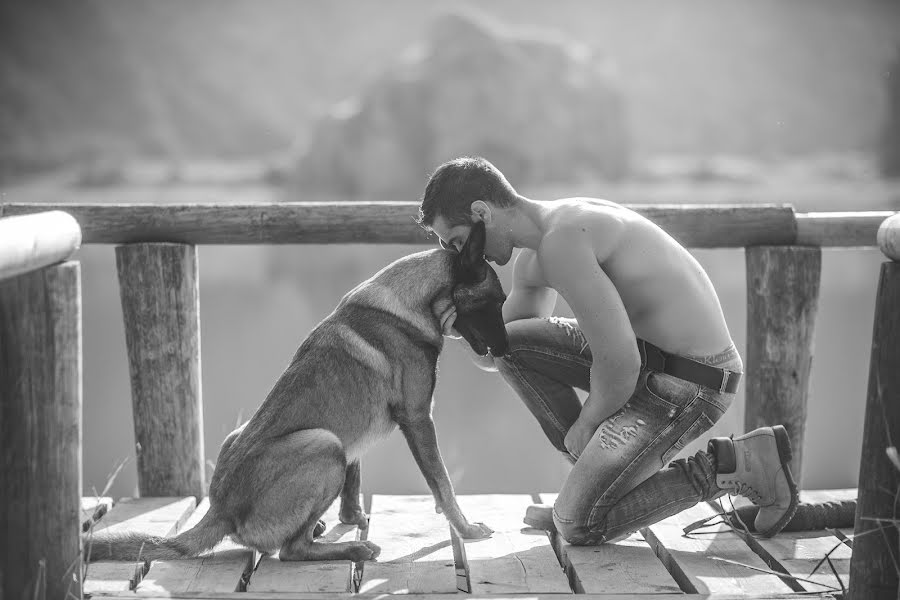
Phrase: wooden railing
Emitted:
{"points": [[40, 345]]}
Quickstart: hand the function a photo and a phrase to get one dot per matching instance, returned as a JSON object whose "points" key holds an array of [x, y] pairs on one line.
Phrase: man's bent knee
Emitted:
{"points": [[577, 533]]}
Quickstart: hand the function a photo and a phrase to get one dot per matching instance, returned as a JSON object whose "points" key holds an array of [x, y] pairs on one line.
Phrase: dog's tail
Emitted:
{"points": [[129, 545]]}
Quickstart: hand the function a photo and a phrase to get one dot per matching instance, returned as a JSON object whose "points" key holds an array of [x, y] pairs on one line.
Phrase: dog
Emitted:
{"points": [[367, 368]]}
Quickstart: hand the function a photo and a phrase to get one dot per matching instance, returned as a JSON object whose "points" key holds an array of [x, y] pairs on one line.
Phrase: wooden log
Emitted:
{"points": [[161, 308], [782, 300], [416, 556], [154, 516], [511, 560], [628, 566], [40, 433], [888, 237], [699, 561], [873, 567], [29, 242], [839, 229], [325, 576], [698, 226], [222, 569]]}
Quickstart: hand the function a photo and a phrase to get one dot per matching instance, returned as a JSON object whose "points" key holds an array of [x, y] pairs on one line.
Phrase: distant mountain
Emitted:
{"points": [[543, 110], [81, 79]]}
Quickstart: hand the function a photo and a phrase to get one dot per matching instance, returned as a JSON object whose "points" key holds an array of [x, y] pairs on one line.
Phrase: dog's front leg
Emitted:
{"points": [[351, 512], [422, 439]]}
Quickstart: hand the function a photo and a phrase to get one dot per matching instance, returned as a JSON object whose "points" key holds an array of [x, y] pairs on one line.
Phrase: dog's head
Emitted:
{"points": [[478, 297]]}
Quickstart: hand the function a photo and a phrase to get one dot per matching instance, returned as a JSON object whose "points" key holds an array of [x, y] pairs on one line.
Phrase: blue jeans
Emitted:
{"points": [[620, 483]]}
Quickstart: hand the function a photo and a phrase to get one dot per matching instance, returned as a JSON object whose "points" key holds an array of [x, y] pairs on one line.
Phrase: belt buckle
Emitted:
{"points": [[726, 375]]}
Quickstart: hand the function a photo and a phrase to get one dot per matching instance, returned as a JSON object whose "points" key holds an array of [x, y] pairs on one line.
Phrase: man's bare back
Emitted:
{"points": [[667, 296]]}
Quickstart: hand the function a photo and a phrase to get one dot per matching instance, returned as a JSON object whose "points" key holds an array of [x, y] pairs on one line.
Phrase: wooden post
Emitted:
{"points": [[782, 298], [161, 308], [40, 433], [873, 565], [29, 242]]}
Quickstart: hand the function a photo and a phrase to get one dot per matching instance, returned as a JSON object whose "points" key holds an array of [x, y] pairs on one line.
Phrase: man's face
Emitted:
{"points": [[454, 238]]}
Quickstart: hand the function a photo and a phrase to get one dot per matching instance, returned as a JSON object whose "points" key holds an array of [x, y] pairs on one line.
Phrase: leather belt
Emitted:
{"points": [[661, 361]]}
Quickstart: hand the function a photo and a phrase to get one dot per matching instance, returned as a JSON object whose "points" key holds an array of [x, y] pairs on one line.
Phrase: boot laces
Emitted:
{"points": [[742, 488]]}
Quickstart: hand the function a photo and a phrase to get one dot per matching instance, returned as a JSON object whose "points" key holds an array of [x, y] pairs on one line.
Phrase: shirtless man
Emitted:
{"points": [[649, 344]]}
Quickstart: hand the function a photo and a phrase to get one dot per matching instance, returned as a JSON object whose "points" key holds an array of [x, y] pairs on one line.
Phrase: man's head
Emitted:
{"points": [[462, 192]]}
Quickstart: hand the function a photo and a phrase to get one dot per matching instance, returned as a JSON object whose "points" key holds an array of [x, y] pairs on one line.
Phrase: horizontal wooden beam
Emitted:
{"points": [[32, 241], [839, 229], [888, 237], [696, 226], [319, 596]]}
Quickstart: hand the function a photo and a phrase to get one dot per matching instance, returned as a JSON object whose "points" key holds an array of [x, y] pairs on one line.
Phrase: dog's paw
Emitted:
{"points": [[356, 517], [365, 550], [475, 531]]}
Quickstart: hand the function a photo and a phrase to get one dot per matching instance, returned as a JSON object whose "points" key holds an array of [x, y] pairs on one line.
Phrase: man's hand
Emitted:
{"points": [[578, 436]]}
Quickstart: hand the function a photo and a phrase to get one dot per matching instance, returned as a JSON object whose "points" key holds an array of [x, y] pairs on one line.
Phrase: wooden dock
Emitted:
{"points": [[420, 557], [156, 257]]}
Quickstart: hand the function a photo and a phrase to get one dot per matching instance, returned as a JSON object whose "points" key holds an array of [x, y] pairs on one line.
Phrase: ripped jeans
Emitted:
{"points": [[620, 483]]}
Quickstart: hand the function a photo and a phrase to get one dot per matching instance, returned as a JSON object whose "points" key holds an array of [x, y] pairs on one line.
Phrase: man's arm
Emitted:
{"points": [[569, 258]]}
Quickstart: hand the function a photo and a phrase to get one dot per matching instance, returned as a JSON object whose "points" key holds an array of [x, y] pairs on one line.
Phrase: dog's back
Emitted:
{"points": [[376, 350]]}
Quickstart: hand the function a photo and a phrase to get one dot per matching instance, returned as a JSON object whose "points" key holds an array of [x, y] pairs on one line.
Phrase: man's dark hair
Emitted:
{"points": [[456, 184]]}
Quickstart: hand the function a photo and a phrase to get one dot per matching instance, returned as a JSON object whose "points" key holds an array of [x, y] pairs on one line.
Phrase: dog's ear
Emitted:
{"points": [[472, 253]]}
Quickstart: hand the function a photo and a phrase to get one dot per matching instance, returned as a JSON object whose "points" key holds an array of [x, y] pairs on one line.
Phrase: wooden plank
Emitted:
{"points": [[309, 596], [160, 297], [40, 432], [839, 229], [153, 516], [799, 552], [416, 556], [873, 568], [697, 226], [31, 242], [782, 301], [627, 566], [218, 570], [332, 576], [516, 558], [92, 510], [693, 559]]}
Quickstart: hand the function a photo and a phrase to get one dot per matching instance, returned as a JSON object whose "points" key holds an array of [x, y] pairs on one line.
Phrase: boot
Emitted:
{"points": [[755, 465]]}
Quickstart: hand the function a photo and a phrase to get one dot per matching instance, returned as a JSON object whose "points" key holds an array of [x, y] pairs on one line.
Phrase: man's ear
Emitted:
{"points": [[481, 212], [472, 253]]}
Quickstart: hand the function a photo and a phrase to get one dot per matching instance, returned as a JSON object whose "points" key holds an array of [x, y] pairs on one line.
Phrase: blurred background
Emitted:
{"points": [[699, 101]]}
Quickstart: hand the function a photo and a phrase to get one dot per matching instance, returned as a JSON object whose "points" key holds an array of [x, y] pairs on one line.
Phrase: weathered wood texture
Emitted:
{"points": [[308, 596], [154, 516], [698, 226], [839, 229], [782, 301], [416, 556], [888, 237], [326, 576], [40, 433], [221, 569], [696, 560], [873, 568], [627, 566], [158, 284], [511, 560], [29, 242]]}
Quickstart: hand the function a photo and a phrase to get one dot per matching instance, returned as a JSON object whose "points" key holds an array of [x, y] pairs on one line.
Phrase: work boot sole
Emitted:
{"points": [[783, 443]]}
